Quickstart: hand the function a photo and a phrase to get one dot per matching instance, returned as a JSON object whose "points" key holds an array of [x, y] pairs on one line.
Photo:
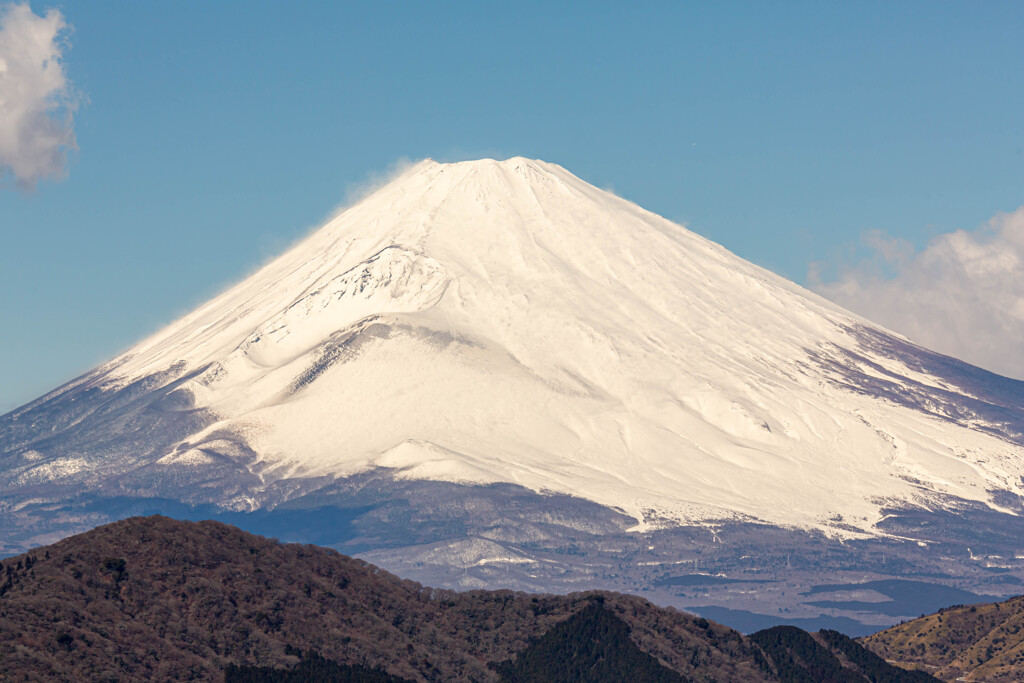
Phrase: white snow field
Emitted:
{"points": [[504, 321]]}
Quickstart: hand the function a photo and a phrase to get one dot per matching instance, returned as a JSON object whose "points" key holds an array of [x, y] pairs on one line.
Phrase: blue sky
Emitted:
{"points": [[212, 135]]}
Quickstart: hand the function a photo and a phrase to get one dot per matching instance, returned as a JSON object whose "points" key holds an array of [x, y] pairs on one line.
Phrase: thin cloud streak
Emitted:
{"points": [[962, 295], [37, 102]]}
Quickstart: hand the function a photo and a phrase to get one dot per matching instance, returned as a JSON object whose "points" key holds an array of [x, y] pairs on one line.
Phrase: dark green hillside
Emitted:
{"points": [[797, 656], [311, 669], [592, 645], [874, 667]]}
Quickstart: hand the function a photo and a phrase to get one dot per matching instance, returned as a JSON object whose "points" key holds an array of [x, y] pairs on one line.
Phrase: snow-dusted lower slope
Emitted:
{"points": [[507, 322]]}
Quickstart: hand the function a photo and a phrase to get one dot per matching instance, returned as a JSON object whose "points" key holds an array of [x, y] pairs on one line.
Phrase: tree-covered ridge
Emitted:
{"points": [[312, 668], [591, 645], [874, 667], [795, 656], [153, 599], [978, 642]]}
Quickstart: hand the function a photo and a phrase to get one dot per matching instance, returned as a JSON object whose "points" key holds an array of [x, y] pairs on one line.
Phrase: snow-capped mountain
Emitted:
{"points": [[489, 321], [492, 373]]}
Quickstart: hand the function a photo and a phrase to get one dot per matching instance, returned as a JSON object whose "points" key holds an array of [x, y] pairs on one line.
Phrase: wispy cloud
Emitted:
{"points": [[37, 102], [962, 295]]}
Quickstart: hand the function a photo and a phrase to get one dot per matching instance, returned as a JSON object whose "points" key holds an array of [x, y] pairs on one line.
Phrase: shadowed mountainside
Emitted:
{"points": [[158, 599]]}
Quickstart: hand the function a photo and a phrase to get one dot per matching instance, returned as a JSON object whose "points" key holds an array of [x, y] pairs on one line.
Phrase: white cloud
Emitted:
{"points": [[37, 102], [963, 295]]}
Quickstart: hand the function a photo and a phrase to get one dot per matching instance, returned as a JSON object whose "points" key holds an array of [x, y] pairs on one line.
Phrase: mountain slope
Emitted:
{"points": [[982, 642], [488, 322], [826, 657], [153, 598], [157, 599]]}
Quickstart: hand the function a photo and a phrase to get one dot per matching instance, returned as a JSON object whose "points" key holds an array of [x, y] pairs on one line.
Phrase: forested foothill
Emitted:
{"points": [[151, 598]]}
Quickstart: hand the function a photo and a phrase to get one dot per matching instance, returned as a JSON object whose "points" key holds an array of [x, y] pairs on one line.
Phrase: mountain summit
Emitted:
{"points": [[505, 322]]}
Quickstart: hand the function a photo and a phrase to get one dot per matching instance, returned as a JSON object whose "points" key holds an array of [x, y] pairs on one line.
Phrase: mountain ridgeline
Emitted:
{"points": [[982, 642], [494, 374], [157, 599]]}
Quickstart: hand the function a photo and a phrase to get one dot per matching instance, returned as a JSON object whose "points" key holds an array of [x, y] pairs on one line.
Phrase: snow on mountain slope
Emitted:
{"points": [[505, 321]]}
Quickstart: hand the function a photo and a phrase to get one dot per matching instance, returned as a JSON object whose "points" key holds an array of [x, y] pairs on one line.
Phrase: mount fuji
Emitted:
{"points": [[492, 372]]}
